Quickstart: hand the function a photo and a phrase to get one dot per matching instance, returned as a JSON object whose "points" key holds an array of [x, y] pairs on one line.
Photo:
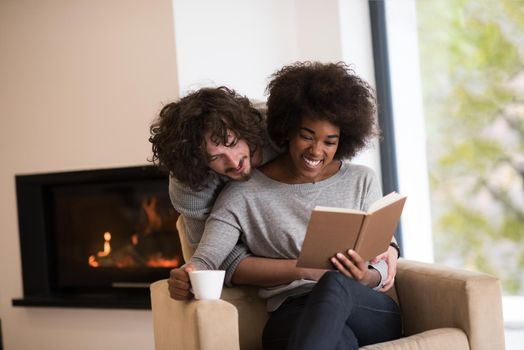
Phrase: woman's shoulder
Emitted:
{"points": [[358, 169], [237, 194], [359, 175]]}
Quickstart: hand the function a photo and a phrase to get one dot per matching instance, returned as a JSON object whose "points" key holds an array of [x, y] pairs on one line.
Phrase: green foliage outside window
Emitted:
{"points": [[472, 62]]}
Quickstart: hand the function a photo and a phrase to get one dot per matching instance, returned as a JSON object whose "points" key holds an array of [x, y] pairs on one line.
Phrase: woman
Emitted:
{"points": [[322, 113]]}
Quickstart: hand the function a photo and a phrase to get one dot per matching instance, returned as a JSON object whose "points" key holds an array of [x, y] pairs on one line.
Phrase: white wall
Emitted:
{"points": [[82, 79], [80, 82]]}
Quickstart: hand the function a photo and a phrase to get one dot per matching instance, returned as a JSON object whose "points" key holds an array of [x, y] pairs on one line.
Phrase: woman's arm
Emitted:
{"points": [[266, 272]]}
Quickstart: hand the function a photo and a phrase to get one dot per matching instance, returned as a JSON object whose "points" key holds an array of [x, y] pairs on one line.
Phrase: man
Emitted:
{"points": [[206, 139]]}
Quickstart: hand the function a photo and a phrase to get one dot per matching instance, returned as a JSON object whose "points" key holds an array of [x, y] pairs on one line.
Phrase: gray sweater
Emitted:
{"points": [[271, 218], [195, 207]]}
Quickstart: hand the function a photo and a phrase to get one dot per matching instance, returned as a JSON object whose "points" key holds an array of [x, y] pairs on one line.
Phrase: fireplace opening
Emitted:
{"points": [[95, 238]]}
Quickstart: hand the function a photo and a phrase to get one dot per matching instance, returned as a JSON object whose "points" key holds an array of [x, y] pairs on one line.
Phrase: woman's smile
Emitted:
{"points": [[312, 150]]}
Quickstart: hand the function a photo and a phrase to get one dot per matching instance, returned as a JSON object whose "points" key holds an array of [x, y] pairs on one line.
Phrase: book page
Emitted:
{"points": [[338, 210], [378, 229], [385, 201]]}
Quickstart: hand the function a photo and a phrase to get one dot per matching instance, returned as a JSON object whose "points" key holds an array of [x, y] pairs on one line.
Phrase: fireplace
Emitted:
{"points": [[95, 238]]}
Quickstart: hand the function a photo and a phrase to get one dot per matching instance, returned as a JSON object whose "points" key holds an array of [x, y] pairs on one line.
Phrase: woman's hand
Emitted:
{"points": [[355, 267], [391, 257], [179, 283]]}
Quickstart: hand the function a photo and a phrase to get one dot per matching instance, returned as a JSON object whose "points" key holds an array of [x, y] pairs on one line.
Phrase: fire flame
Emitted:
{"points": [[162, 262], [129, 255], [107, 245], [107, 250]]}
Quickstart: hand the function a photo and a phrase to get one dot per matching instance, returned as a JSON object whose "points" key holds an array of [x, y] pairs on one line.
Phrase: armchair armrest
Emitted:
{"points": [[236, 321], [433, 296], [194, 324]]}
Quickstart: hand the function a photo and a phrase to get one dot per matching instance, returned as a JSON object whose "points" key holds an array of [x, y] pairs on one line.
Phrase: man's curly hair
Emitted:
{"points": [[329, 92], [177, 135]]}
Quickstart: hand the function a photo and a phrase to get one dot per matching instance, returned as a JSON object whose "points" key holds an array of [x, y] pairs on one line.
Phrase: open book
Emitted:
{"points": [[335, 230]]}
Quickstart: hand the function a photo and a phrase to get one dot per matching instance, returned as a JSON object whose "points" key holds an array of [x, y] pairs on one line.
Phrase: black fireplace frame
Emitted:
{"points": [[34, 232]]}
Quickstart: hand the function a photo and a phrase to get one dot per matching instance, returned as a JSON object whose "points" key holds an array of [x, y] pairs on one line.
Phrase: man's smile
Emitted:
{"points": [[240, 168]]}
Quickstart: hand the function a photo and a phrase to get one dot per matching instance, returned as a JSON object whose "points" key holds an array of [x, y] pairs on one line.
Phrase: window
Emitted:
{"points": [[457, 86]]}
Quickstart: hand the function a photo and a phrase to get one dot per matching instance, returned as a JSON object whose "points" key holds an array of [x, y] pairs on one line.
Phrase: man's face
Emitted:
{"points": [[232, 159]]}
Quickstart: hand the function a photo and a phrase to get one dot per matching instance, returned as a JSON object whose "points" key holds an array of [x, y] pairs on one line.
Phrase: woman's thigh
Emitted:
{"points": [[340, 310]]}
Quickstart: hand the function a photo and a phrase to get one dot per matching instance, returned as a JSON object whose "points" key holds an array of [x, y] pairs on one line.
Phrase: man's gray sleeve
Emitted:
{"points": [[238, 253], [195, 207]]}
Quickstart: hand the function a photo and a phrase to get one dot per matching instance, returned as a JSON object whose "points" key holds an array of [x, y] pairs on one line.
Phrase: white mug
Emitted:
{"points": [[207, 284]]}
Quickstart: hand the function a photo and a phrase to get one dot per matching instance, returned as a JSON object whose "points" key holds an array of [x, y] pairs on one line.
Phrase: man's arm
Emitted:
{"points": [[195, 207]]}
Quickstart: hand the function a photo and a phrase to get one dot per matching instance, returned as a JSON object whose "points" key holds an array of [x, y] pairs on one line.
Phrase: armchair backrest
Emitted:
{"points": [[433, 296], [187, 250]]}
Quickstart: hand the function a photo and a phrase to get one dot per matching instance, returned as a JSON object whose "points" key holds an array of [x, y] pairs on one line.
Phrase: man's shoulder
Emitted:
{"points": [[253, 182], [270, 152], [182, 195], [243, 189], [238, 196]]}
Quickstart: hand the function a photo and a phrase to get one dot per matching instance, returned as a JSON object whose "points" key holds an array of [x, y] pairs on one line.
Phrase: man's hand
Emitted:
{"points": [[355, 267], [391, 257], [179, 283]]}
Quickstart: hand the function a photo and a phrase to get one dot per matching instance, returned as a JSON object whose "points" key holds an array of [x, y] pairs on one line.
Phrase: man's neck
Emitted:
{"points": [[256, 158]]}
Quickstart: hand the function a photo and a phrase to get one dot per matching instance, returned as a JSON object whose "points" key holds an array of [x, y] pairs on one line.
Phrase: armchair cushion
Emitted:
{"points": [[441, 338]]}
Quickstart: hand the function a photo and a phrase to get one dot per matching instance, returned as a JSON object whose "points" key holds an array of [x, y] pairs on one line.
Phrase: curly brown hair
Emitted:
{"points": [[177, 135], [329, 92]]}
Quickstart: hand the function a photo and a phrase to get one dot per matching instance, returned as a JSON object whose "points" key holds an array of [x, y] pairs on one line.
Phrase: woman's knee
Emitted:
{"points": [[337, 279], [334, 283], [331, 277]]}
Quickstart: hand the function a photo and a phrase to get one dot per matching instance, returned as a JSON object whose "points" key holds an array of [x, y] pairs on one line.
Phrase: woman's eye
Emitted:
{"points": [[306, 137], [330, 143]]}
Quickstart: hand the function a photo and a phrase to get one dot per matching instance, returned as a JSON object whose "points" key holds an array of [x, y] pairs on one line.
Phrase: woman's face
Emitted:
{"points": [[313, 148]]}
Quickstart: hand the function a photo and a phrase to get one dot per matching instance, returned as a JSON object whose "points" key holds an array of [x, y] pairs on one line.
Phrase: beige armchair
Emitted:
{"points": [[442, 308]]}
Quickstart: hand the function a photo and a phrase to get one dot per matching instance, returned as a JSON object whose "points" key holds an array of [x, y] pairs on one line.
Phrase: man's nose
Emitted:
{"points": [[230, 159]]}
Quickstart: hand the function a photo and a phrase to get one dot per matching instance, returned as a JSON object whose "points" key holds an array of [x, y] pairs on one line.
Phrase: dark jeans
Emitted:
{"points": [[339, 313]]}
